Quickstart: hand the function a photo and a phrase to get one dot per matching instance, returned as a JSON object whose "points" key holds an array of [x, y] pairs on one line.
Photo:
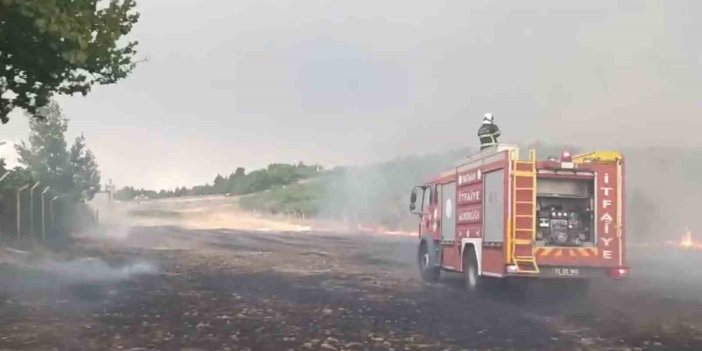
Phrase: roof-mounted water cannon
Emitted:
{"points": [[567, 160], [566, 156]]}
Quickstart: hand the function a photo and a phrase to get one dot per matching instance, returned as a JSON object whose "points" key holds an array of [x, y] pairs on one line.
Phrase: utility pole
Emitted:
{"points": [[19, 209], [43, 215], [31, 210]]}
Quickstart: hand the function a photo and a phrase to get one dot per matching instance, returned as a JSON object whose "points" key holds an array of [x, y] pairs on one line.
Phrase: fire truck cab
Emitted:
{"points": [[498, 215]]}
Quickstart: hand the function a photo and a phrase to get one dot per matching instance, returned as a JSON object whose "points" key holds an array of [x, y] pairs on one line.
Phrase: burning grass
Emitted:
{"points": [[687, 242]]}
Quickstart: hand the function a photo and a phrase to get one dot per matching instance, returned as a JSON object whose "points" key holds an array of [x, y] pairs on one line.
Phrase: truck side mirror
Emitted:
{"points": [[413, 199]]}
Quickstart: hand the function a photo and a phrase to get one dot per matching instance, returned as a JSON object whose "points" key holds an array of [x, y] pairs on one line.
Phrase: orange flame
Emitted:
{"points": [[382, 230], [688, 243]]}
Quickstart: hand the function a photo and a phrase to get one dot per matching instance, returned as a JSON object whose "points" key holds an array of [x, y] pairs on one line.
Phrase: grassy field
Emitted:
{"points": [[301, 198], [154, 213]]}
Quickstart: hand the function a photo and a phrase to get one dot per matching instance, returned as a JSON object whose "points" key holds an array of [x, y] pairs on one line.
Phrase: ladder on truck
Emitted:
{"points": [[523, 221]]}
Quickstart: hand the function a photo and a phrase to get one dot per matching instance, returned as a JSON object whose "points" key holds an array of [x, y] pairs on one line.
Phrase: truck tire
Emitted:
{"points": [[474, 283], [428, 269]]}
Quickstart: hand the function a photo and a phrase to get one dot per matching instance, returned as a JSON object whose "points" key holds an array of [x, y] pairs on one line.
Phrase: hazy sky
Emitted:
{"points": [[250, 82]]}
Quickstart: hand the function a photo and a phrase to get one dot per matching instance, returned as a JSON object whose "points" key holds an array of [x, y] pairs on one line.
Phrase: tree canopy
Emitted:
{"points": [[14, 179], [73, 172], [45, 152], [61, 46], [86, 175]]}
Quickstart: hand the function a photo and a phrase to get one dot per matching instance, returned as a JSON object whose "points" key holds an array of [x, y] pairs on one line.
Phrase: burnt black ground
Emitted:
{"points": [[238, 290]]}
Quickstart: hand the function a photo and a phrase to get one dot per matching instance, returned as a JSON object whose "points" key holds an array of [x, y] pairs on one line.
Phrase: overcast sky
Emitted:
{"points": [[250, 82]]}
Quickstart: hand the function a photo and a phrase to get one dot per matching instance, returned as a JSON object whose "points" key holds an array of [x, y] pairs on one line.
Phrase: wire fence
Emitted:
{"points": [[34, 214]]}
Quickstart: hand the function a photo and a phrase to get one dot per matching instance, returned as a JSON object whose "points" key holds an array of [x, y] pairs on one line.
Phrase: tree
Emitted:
{"points": [[45, 155], [219, 184], [61, 46], [73, 172], [15, 178], [125, 194], [86, 175]]}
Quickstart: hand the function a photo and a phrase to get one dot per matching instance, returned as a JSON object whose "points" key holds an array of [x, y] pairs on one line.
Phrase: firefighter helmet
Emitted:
{"points": [[488, 119]]}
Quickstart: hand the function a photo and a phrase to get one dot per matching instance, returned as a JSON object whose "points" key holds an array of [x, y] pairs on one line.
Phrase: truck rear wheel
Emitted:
{"points": [[427, 268], [474, 283]]}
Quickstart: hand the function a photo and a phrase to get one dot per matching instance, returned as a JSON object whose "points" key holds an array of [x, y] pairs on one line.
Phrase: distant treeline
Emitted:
{"points": [[237, 183]]}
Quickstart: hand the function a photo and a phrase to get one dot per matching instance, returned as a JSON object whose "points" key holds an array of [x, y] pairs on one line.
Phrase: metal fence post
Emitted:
{"points": [[31, 211], [43, 215], [19, 209], [1, 179], [51, 213]]}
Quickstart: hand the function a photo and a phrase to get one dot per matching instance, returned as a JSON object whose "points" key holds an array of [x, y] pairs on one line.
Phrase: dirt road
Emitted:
{"points": [[173, 288]]}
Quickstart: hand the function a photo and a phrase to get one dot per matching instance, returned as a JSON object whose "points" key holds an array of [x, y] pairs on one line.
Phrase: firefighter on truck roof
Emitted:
{"points": [[488, 132]]}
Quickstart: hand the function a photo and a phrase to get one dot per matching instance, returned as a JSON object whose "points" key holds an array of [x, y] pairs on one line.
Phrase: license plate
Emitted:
{"points": [[566, 272]]}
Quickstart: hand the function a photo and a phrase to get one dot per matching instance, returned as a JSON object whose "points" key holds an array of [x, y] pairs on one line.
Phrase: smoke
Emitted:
{"points": [[22, 271], [379, 194], [114, 222], [91, 270], [664, 189]]}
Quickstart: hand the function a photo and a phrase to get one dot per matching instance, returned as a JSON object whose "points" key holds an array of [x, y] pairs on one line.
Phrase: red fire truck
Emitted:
{"points": [[496, 215]]}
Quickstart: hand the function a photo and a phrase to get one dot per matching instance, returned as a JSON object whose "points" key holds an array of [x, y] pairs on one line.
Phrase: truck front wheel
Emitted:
{"points": [[473, 281], [427, 268]]}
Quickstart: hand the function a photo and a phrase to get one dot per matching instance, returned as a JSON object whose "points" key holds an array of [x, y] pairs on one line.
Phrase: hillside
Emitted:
{"points": [[375, 194]]}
